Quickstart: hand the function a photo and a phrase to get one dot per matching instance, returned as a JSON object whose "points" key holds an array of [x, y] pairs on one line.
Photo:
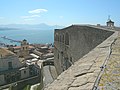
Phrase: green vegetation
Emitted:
{"points": [[10, 88], [27, 87]]}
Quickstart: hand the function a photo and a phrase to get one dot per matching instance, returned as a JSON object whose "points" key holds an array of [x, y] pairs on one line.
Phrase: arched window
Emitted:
{"points": [[60, 38], [58, 55], [67, 39], [63, 38], [56, 37]]}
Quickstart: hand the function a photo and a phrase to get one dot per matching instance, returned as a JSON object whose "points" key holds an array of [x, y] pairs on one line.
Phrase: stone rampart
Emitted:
{"points": [[73, 42], [84, 74]]}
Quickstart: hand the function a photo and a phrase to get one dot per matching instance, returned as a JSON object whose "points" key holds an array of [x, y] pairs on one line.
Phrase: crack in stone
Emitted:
{"points": [[81, 74], [84, 73], [103, 47], [81, 84], [71, 83]]}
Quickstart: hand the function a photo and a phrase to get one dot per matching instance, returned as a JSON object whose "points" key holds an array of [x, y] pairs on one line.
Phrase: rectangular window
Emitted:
{"points": [[10, 65]]}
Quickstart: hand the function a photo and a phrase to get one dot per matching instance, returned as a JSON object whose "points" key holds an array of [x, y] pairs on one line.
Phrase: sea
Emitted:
{"points": [[32, 36]]}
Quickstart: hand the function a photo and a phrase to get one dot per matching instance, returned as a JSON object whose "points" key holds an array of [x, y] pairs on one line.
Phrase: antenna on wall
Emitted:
{"points": [[109, 18]]}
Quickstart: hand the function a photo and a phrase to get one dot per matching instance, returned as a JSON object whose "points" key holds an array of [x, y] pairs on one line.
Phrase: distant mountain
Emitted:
{"points": [[7, 28], [41, 26]]}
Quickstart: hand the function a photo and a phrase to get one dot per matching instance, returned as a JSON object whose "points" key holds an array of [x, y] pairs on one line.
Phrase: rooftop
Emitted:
{"points": [[110, 21], [4, 52], [19, 47], [93, 26]]}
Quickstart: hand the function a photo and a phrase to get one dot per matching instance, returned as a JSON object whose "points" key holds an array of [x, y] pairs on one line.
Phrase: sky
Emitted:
{"points": [[59, 12]]}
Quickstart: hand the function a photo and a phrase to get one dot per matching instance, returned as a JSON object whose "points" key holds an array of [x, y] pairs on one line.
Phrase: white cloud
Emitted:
{"points": [[1, 17], [61, 17], [35, 14], [28, 17], [37, 11]]}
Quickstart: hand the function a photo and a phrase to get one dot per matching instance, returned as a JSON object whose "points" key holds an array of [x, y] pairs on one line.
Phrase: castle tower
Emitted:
{"points": [[24, 48], [110, 23]]}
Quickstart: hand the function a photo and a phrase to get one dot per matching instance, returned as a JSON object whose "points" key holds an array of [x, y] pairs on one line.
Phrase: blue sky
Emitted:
{"points": [[59, 12]]}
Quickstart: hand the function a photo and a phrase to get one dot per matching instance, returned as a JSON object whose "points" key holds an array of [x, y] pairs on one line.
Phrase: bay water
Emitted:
{"points": [[32, 36]]}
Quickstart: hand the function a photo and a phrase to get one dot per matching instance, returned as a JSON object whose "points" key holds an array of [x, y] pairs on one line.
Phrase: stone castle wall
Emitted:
{"points": [[86, 72], [82, 39]]}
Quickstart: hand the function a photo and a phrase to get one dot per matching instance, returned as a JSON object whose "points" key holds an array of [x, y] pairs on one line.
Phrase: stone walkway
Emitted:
{"points": [[47, 75], [53, 72], [110, 79], [85, 74]]}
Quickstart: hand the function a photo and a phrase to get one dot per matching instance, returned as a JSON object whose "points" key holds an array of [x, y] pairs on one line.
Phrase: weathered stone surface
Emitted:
{"points": [[87, 86], [110, 79], [83, 74], [84, 79], [81, 39]]}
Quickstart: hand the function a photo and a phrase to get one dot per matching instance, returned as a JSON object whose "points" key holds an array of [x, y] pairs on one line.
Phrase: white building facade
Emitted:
{"points": [[12, 70]]}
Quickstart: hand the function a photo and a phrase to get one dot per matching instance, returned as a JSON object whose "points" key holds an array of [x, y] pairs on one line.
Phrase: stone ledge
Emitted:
{"points": [[110, 79]]}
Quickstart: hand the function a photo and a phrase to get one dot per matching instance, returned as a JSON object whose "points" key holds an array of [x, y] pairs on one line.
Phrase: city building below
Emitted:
{"points": [[22, 64]]}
